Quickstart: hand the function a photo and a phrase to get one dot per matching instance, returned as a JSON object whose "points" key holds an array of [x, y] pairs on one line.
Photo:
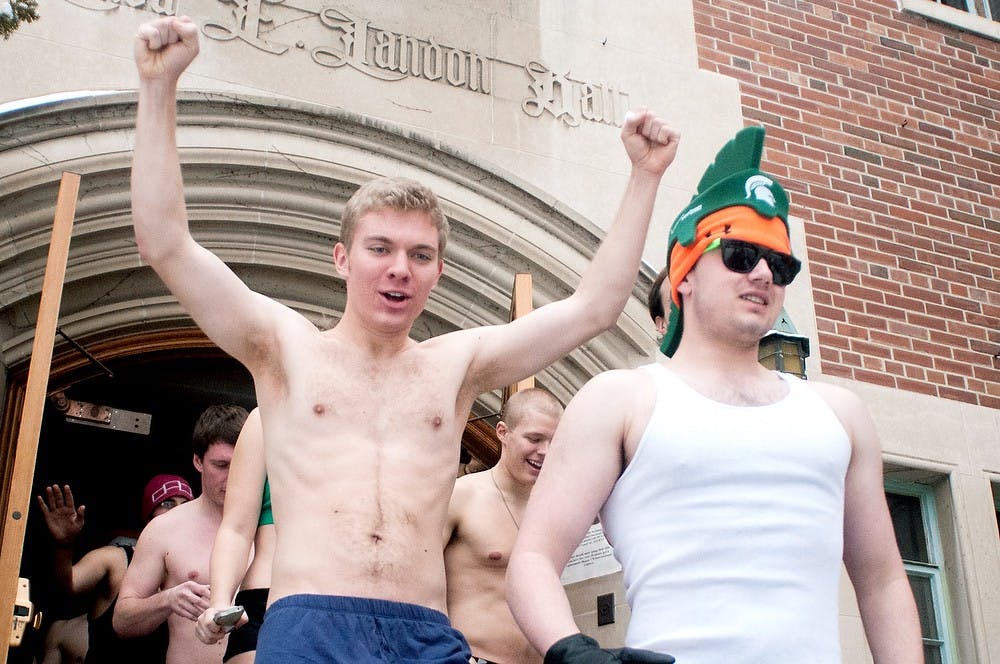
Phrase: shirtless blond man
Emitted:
{"points": [[362, 424], [483, 517], [168, 577]]}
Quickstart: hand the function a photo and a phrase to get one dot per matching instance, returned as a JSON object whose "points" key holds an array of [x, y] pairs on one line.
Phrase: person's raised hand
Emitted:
{"points": [[165, 47], [62, 517], [650, 142]]}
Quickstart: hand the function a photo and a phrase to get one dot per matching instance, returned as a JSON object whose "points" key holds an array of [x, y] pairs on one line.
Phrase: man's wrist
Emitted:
{"points": [[559, 651]]}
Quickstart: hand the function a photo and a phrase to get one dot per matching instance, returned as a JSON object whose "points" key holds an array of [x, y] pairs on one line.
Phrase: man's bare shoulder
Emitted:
{"points": [[616, 383], [835, 395], [468, 487], [473, 481], [849, 408], [451, 341], [108, 555], [168, 526], [847, 405]]}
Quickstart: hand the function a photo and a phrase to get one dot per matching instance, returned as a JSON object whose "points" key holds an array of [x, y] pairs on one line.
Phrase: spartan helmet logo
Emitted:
{"points": [[759, 187]]}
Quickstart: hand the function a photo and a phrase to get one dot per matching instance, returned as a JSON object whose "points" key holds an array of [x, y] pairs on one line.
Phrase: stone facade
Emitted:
{"points": [[882, 123]]}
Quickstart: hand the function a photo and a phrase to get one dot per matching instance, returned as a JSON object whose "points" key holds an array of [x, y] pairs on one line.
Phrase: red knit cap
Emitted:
{"points": [[160, 488]]}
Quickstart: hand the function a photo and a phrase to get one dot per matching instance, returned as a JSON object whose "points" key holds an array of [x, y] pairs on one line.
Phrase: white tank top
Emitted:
{"points": [[728, 523]]}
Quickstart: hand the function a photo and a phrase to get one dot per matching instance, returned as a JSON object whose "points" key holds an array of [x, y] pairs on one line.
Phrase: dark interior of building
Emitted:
{"points": [[107, 468]]}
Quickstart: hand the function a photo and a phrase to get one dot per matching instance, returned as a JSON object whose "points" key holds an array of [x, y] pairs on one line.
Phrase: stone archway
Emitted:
{"points": [[266, 181]]}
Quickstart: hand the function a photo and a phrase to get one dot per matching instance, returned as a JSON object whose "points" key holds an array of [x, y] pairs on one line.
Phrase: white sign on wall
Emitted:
{"points": [[591, 559]]}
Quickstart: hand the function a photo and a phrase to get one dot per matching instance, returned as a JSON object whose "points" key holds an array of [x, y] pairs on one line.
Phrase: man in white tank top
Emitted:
{"points": [[729, 492]]}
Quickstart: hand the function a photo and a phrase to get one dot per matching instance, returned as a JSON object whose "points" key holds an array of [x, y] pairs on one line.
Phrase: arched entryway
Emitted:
{"points": [[266, 181]]}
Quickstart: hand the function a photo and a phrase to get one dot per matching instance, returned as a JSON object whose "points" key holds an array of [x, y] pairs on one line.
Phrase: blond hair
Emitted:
{"points": [[533, 398], [395, 194]]}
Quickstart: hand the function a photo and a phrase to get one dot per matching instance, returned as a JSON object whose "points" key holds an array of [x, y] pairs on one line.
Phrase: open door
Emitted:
{"points": [[19, 462]]}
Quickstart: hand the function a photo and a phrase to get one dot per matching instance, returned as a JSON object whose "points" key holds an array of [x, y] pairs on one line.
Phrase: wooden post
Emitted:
{"points": [[25, 452], [479, 438], [520, 304]]}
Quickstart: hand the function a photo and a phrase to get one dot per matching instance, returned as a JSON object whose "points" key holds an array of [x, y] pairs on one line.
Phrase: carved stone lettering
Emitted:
{"points": [[570, 100], [161, 7], [247, 19], [391, 56]]}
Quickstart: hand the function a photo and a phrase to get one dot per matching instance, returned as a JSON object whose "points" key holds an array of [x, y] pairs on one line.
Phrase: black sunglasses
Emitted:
{"points": [[742, 257]]}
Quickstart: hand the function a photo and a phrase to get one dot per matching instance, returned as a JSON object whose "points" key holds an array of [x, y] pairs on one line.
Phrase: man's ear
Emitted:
{"points": [[502, 431], [340, 261], [661, 325], [684, 288], [196, 460]]}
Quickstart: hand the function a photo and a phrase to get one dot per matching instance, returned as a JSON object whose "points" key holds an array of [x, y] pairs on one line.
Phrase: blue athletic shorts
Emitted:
{"points": [[357, 630]]}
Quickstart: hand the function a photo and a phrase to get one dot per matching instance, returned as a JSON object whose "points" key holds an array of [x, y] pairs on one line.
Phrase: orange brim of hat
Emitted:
{"points": [[738, 223]]}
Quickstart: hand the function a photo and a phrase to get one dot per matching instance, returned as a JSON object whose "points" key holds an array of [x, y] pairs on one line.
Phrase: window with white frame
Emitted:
{"points": [[914, 518], [979, 16]]}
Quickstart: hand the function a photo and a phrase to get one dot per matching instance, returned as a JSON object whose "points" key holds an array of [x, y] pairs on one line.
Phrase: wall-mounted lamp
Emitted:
{"points": [[783, 348]]}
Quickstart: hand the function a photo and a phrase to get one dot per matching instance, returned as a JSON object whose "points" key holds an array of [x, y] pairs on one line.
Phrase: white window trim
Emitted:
{"points": [[945, 14], [934, 570]]}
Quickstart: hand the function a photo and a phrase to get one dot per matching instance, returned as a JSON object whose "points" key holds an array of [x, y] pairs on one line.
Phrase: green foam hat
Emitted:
{"points": [[734, 178]]}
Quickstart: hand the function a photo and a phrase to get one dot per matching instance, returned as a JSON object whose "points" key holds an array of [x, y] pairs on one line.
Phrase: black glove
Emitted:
{"points": [[580, 649]]}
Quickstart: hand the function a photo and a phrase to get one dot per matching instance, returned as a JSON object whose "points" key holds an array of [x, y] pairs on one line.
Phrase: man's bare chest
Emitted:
{"points": [[187, 560]]}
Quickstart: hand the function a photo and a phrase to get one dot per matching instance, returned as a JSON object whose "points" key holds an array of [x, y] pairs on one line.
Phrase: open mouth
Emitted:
{"points": [[537, 465], [394, 296]]}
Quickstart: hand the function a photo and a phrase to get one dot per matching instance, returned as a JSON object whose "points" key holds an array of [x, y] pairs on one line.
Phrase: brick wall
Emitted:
{"points": [[885, 129]]}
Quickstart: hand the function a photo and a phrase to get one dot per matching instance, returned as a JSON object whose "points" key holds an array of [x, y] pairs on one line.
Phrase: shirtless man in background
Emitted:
{"points": [[168, 577], [362, 424], [243, 550], [483, 520]]}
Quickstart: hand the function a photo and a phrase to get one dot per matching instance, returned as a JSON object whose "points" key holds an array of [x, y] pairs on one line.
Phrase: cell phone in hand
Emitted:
{"points": [[227, 618]]}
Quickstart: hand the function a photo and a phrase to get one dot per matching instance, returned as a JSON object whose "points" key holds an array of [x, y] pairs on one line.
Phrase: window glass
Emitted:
{"points": [[908, 523], [924, 597], [914, 519], [996, 502]]}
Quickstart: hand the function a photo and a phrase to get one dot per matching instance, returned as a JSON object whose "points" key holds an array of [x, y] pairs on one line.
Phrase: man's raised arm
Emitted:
{"points": [[508, 353], [200, 280]]}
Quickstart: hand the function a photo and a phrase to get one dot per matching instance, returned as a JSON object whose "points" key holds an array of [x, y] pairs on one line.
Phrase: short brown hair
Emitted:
{"points": [[395, 194], [654, 299], [217, 424]]}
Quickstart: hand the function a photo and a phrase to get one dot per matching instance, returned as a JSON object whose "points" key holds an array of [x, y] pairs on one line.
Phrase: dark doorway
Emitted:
{"points": [[107, 469]]}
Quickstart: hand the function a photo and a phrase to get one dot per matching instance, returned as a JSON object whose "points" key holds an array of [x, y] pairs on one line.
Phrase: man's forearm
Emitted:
{"points": [[157, 186], [611, 275], [538, 602], [892, 625], [228, 565], [136, 616], [62, 563]]}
